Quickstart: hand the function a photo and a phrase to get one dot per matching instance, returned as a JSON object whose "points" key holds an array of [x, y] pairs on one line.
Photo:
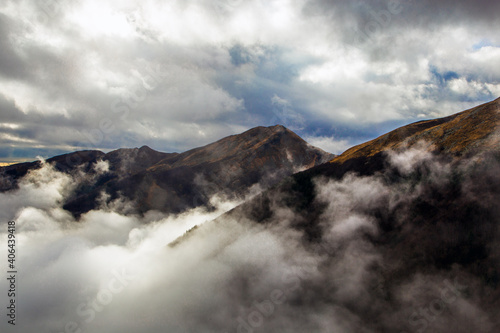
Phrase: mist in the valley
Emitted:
{"points": [[110, 272]]}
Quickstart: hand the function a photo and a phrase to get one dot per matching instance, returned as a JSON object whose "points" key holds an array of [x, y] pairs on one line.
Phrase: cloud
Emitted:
{"points": [[111, 271], [329, 144], [88, 75], [179, 74]]}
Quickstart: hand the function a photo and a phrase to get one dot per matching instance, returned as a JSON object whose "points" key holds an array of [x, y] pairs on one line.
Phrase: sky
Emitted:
{"points": [[175, 75]]}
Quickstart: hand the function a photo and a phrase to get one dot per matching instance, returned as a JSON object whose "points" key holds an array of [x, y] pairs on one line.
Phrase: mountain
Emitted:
{"points": [[463, 133], [10, 175], [465, 144], [173, 182], [126, 161], [393, 226], [400, 234]]}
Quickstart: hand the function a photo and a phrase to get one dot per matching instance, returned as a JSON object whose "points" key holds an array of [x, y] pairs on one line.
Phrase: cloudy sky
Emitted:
{"points": [[88, 74]]}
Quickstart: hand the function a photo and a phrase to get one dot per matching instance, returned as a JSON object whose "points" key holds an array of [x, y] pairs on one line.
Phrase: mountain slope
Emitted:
{"points": [[10, 175], [133, 160], [451, 140], [458, 134], [391, 222], [172, 182], [253, 142], [230, 166]]}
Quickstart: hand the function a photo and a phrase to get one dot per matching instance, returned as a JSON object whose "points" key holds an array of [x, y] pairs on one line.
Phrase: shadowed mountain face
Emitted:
{"points": [[82, 160], [402, 215], [172, 182], [464, 148]]}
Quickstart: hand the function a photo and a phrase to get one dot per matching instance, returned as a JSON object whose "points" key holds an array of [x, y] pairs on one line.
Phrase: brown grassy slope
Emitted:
{"points": [[234, 147], [458, 134]]}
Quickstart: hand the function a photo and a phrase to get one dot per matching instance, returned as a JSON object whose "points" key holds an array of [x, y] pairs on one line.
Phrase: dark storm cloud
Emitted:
{"points": [[482, 11], [426, 13], [10, 63], [10, 113]]}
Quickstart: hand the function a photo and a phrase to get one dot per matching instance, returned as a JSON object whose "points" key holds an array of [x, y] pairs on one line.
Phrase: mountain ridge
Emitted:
{"points": [[482, 126], [373, 158], [174, 182], [382, 229], [252, 138]]}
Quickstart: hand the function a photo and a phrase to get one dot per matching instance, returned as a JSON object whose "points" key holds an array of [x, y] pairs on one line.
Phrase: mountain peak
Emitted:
{"points": [[275, 138], [147, 149], [458, 134], [174, 182], [278, 128], [262, 131]]}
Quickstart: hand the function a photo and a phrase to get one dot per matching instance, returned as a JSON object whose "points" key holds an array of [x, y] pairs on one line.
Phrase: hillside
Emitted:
{"points": [[389, 223], [173, 182]]}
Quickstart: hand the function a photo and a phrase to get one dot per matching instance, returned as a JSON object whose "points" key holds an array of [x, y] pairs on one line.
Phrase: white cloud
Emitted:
{"points": [[329, 144], [471, 89], [113, 273], [72, 61]]}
